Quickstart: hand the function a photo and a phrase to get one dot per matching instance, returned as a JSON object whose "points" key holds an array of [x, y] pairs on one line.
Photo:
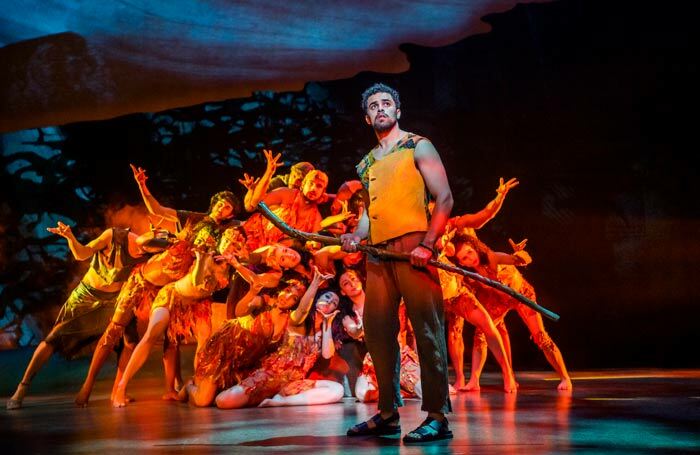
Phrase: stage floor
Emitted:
{"points": [[614, 411]]}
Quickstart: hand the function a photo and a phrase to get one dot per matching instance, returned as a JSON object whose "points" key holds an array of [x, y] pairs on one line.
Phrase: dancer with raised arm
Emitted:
{"points": [[85, 315], [472, 253], [295, 357]]}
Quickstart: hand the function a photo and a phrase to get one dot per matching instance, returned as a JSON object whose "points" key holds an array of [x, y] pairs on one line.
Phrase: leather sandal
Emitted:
{"points": [[381, 426], [429, 430]]}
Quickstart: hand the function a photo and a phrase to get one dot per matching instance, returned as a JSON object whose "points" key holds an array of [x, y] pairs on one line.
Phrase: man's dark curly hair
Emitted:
{"points": [[228, 197], [380, 88]]}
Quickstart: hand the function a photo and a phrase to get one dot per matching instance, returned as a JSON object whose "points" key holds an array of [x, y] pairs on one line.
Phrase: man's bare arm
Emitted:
{"points": [[153, 206], [431, 168]]}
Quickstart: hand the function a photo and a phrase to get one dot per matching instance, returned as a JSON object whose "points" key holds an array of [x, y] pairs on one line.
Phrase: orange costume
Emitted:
{"points": [[188, 307], [408, 377], [138, 293], [235, 349], [260, 231], [284, 370], [497, 303]]}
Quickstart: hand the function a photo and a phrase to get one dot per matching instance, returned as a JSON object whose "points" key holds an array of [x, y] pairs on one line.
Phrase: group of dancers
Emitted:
{"points": [[295, 327]]}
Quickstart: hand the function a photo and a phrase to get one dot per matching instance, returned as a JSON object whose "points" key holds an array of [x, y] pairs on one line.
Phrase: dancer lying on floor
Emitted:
{"points": [[237, 347], [281, 377]]}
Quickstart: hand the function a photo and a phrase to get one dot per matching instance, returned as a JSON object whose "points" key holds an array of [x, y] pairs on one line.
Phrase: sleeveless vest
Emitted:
{"points": [[114, 264], [397, 194]]}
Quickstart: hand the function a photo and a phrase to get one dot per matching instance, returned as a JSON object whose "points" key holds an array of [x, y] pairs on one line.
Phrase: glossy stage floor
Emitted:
{"points": [[624, 412]]}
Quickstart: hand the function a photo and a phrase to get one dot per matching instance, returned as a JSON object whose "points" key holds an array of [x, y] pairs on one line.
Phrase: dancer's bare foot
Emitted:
{"points": [[170, 395], [509, 384], [271, 402], [81, 400], [565, 384], [129, 398], [15, 402], [184, 392], [471, 386], [459, 383], [119, 398]]}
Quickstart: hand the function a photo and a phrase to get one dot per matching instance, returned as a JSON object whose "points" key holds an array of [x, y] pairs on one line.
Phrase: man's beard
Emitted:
{"points": [[307, 199], [381, 127]]}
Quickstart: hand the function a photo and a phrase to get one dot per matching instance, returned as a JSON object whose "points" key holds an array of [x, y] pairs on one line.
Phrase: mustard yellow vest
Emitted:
{"points": [[397, 194]]}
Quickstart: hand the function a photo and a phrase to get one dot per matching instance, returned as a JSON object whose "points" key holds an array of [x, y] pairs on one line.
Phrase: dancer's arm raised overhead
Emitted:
{"points": [[153, 206]]}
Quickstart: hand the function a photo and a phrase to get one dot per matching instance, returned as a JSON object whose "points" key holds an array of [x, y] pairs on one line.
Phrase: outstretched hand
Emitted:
{"points": [[503, 188], [320, 277], [61, 229], [445, 239], [520, 246], [273, 161], [248, 181], [522, 257], [330, 316], [345, 212], [139, 174]]}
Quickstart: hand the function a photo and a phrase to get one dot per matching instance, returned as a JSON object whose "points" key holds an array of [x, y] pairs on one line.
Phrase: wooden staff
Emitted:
{"points": [[395, 256]]}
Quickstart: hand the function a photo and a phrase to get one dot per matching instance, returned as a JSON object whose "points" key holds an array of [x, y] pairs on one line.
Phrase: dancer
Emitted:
{"points": [[269, 262], [231, 353], [293, 180], [137, 294], [353, 348], [472, 253], [320, 386], [296, 207], [461, 302], [452, 287], [398, 174], [183, 307], [290, 363], [206, 228], [85, 315]]}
